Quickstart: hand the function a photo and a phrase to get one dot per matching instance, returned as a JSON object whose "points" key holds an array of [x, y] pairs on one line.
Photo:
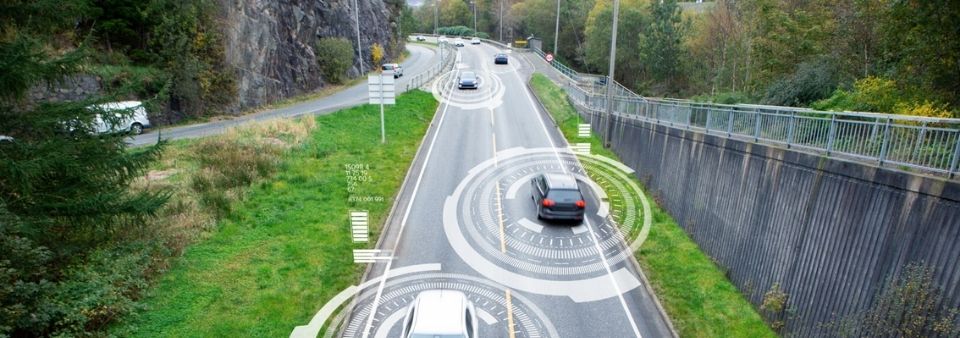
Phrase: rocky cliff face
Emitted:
{"points": [[270, 42]]}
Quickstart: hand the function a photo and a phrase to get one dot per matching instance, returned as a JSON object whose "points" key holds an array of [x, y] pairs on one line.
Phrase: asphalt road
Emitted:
{"points": [[465, 221], [420, 59]]}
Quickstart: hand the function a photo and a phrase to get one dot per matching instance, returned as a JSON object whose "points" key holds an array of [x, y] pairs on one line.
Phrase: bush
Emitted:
{"points": [[335, 56], [376, 54], [812, 81], [461, 31], [723, 98], [907, 306], [925, 109], [874, 94]]}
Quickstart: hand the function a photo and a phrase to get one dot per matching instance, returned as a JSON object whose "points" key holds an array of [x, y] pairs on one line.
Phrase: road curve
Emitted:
{"points": [[420, 59]]}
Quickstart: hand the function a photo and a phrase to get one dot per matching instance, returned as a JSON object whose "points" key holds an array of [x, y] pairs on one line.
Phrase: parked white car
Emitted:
{"points": [[440, 313], [133, 123]]}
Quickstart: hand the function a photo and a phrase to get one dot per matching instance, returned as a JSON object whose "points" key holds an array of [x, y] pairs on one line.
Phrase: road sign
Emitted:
{"points": [[382, 91], [382, 88], [549, 57]]}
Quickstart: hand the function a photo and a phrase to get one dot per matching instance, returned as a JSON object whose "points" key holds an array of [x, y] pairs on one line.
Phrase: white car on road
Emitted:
{"points": [[440, 313], [475, 41], [133, 122], [458, 42], [393, 67]]}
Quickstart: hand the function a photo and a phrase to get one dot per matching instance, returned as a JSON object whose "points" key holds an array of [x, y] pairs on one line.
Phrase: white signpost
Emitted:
{"points": [[382, 91]]}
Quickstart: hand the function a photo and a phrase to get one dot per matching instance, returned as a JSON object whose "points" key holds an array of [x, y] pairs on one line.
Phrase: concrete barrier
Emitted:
{"points": [[829, 231]]}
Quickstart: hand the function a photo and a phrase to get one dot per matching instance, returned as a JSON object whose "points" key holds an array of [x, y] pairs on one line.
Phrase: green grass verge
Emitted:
{"points": [[696, 294], [286, 249]]}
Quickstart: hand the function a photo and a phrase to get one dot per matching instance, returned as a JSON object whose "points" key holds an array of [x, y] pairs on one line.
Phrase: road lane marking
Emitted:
{"points": [[503, 237], [613, 280], [406, 214], [596, 241], [510, 330], [543, 125]]}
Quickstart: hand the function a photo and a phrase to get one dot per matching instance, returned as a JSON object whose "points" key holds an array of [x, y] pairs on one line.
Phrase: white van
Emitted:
{"points": [[134, 124]]}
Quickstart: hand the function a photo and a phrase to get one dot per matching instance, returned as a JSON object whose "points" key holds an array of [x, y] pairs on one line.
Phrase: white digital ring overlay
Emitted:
{"points": [[534, 258], [580, 290], [403, 286], [489, 94]]}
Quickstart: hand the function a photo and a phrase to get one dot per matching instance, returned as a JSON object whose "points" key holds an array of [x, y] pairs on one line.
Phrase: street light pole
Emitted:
{"points": [[475, 4], [501, 20], [556, 30], [436, 6], [613, 57], [359, 46]]}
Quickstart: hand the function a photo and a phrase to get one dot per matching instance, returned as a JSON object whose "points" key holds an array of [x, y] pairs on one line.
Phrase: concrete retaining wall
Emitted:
{"points": [[830, 232]]}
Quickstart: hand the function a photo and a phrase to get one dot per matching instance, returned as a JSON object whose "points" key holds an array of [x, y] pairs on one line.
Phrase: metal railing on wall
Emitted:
{"points": [[928, 144], [445, 65]]}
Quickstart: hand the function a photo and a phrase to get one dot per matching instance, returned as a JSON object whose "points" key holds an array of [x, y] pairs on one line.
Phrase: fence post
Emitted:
{"points": [[690, 116], [831, 135], [919, 143], [956, 156], [706, 126], [756, 131], [885, 142], [730, 123], [790, 127]]}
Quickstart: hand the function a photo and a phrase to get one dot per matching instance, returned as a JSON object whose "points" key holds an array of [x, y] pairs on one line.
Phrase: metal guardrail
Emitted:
{"points": [[424, 77], [928, 144]]}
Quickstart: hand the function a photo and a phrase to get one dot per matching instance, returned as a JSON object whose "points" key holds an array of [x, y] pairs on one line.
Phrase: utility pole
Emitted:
{"points": [[556, 30], [359, 45], [501, 20], [475, 4], [613, 58], [436, 6]]}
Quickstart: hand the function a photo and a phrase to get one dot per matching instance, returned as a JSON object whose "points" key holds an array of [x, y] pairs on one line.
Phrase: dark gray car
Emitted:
{"points": [[558, 197]]}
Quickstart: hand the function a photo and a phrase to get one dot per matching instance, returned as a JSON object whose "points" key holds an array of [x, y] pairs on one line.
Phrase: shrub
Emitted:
{"points": [[812, 81], [334, 55], [723, 98], [461, 31], [907, 306], [925, 109], [376, 54]]}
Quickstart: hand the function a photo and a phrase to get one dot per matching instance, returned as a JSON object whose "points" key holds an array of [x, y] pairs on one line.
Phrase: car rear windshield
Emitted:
{"points": [[564, 195]]}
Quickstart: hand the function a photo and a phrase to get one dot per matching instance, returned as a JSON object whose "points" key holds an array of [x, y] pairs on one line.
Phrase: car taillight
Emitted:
{"points": [[548, 202], [581, 204]]}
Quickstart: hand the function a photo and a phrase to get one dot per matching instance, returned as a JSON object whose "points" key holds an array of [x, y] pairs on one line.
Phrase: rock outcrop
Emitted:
{"points": [[270, 43]]}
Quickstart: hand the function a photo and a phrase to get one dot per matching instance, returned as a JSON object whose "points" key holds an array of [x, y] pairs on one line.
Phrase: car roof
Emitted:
{"points": [[119, 105], [440, 312], [560, 181]]}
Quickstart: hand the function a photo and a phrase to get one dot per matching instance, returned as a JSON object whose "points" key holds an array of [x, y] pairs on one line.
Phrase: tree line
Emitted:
{"points": [[891, 56]]}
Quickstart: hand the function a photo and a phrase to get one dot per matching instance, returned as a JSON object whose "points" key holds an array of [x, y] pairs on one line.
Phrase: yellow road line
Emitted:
{"points": [[510, 316]]}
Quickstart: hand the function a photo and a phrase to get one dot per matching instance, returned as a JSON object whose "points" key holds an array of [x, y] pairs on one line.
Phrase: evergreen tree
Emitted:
{"points": [[64, 190]]}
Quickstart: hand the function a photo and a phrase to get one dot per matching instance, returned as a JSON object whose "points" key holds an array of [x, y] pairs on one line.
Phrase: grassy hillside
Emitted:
{"points": [[285, 249]]}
